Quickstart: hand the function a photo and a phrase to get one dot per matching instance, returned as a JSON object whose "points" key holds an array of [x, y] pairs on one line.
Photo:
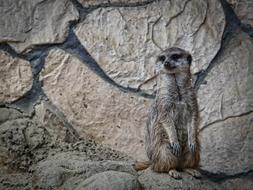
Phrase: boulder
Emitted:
{"points": [[72, 173], [110, 180], [240, 183], [159, 181]]}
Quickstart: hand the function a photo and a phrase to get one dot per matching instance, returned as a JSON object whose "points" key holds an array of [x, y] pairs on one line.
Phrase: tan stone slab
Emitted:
{"points": [[15, 77], [228, 91], [93, 106], [25, 23], [227, 146]]}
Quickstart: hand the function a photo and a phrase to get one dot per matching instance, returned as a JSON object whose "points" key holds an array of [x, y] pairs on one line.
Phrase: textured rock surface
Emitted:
{"points": [[15, 77], [227, 146], [39, 141], [125, 48], [72, 172], [55, 125], [24, 142], [226, 103], [243, 183], [227, 93], [243, 9], [155, 181], [30, 22], [21, 181], [110, 180], [93, 106], [19, 142]]}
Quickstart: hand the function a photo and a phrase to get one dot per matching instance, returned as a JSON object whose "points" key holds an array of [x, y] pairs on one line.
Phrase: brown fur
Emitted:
{"points": [[171, 137]]}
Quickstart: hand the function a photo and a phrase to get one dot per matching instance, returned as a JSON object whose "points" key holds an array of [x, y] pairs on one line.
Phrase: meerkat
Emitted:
{"points": [[171, 140]]}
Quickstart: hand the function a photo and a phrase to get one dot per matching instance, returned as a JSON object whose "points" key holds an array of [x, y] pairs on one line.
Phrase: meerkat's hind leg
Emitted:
{"points": [[192, 172], [175, 174]]}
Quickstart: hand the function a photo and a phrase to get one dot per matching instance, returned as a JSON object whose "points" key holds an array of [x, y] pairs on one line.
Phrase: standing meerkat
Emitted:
{"points": [[171, 141]]}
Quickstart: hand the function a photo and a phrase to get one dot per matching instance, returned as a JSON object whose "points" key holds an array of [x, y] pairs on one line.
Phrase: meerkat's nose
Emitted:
{"points": [[167, 63]]}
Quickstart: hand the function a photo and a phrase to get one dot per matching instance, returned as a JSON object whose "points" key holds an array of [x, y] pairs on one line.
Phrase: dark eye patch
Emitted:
{"points": [[161, 58], [175, 57], [189, 59]]}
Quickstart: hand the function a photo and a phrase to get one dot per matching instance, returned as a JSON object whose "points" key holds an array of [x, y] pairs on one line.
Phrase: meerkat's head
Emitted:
{"points": [[175, 60]]}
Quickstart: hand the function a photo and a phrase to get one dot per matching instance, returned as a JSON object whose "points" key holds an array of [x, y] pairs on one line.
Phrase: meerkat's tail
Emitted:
{"points": [[138, 166]]}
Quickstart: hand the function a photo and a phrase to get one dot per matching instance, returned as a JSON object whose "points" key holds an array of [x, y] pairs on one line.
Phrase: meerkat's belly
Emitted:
{"points": [[182, 121]]}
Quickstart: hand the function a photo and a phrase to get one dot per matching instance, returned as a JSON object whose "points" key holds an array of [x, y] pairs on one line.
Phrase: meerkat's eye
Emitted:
{"points": [[161, 58], [189, 59], [175, 57]]}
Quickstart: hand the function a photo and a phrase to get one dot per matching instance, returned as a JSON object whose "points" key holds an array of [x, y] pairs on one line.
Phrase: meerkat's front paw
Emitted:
{"points": [[175, 174], [193, 172], [175, 148]]}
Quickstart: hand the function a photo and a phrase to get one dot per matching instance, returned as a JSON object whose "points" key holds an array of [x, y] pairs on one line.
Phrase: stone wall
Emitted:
{"points": [[74, 67]]}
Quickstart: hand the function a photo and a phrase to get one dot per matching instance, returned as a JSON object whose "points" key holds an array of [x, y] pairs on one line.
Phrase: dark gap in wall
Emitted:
{"points": [[84, 11], [73, 46], [89, 9], [232, 24], [36, 58], [247, 29], [219, 177], [27, 103], [7, 48]]}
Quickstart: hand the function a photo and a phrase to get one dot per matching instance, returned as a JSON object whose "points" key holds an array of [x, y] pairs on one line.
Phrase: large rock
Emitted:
{"points": [[125, 41], [25, 23], [240, 183], [227, 146], [15, 77], [110, 180], [243, 9], [226, 103], [71, 172], [226, 92], [94, 107], [159, 181]]}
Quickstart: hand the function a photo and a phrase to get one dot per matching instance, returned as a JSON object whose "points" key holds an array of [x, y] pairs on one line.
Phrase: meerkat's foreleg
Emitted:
{"points": [[172, 134], [192, 128], [192, 139]]}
